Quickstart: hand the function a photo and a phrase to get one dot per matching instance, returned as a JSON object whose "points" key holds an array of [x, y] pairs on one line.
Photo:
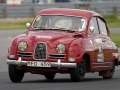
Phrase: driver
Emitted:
{"points": [[75, 25]]}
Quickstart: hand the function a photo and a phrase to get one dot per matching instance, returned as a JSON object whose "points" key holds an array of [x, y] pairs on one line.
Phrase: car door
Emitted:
{"points": [[106, 42], [97, 60]]}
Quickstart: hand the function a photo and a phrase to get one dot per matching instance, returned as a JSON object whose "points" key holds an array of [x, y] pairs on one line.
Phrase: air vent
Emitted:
{"points": [[57, 56], [24, 54]]}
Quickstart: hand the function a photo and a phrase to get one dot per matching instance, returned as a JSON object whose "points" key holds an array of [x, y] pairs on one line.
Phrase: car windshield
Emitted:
{"points": [[60, 22]]}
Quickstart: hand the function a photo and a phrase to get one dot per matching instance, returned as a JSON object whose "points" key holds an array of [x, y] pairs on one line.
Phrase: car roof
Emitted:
{"points": [[69, 12]]}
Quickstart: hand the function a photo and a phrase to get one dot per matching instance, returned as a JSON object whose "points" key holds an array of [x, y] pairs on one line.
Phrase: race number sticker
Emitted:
{"points": [[38, 18], [100, 57]]}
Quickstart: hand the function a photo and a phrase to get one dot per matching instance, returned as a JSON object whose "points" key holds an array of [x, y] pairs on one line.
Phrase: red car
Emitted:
{"points": [[63, 40]]}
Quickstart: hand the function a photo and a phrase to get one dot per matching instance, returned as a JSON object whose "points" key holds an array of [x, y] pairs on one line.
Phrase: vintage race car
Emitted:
{"points": [[61, 40]]}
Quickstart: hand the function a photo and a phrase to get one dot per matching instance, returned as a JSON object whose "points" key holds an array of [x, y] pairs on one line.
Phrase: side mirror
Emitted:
{"points": [[27, 25], [91, 29]]}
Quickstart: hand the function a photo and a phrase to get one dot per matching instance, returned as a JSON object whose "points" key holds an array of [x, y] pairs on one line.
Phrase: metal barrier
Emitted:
{"points": [[30, 10]]}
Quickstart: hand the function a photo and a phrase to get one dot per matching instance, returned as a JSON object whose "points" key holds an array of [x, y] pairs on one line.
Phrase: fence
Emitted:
{"points": [[29, 10]]}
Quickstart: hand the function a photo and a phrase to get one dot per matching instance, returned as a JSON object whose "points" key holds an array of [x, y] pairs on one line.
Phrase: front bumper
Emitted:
{"points": [[57, 64]]}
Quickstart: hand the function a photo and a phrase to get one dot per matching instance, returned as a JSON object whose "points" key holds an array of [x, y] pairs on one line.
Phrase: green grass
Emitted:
{"points": [[115, 38], [11, 27], [112, 20], [14, 25]]}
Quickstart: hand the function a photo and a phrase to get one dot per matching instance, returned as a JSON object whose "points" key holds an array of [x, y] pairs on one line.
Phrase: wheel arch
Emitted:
{"points": [[115, 58], [116, 62]]}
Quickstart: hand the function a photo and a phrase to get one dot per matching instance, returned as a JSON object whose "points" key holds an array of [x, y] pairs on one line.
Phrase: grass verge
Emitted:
{"points": [[14, 24], [115, 38], [113, 21]]}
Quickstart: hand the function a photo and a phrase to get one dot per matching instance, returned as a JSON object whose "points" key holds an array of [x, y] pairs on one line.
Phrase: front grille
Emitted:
{"points": [[40, 51], [24, 54], [57, 56]]}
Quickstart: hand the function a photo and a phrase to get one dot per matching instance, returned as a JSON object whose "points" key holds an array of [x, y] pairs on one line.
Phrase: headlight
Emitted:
{"points": [[22, 46], [60, 48]]}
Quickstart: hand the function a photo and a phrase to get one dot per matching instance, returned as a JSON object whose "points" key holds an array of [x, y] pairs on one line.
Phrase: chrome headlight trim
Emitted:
{"points": [[22, 46], [60, 48]]}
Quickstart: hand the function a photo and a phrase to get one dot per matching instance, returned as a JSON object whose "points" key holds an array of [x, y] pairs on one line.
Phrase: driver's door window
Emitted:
{"points": [[93, 24]]}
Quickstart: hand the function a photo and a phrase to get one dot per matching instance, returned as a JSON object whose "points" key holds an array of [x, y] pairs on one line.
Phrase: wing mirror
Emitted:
{"points": [[91, 29], [27, 25]]}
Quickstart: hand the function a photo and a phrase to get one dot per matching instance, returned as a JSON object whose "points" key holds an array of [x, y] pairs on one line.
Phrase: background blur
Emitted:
{"points": [[28, 8]]}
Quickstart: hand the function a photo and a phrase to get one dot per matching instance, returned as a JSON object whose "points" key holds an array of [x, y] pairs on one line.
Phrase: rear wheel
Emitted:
{"points": [[50, 76], [15, 74], [112, 70], [77, 74]]}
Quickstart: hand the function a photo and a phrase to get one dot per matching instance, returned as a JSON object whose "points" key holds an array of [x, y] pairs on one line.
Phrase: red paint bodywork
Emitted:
{"points": [[76, 45]]}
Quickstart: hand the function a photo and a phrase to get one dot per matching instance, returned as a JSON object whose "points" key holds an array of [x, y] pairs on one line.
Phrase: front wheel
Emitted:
{"points": [[15, 74], [112, 70], [77, 74], [50, 76]]}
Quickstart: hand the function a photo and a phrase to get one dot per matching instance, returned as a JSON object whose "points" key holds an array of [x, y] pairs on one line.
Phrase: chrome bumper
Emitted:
{"points": [[57, 64]]}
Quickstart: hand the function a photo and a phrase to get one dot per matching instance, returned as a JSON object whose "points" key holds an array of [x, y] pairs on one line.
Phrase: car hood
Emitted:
{"points": [[46, 36], [51, 38]]}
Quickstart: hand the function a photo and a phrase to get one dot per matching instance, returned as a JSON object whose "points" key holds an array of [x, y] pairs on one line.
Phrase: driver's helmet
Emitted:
{"points": [[75, 24]]}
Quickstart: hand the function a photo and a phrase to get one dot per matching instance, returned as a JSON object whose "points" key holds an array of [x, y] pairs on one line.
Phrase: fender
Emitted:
{"points": [[115, 56], [12, 48], [76, 50]]}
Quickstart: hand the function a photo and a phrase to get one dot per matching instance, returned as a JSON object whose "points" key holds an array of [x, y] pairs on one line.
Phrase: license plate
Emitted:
{"points": [[38, 64]]}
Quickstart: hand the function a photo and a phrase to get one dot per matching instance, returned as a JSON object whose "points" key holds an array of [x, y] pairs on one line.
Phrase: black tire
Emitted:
{"points": [[50, 76], [77, 74], [15, 74], [112, 70]]}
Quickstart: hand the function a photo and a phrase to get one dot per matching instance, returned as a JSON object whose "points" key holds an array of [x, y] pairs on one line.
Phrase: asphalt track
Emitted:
{"points": [[61, 82]]}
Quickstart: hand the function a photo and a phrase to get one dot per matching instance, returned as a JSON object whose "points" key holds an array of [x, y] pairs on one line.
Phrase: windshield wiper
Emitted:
{"points": [[41, 27], [59, 28], [64, 29], [56, 28], [72, 30]]}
